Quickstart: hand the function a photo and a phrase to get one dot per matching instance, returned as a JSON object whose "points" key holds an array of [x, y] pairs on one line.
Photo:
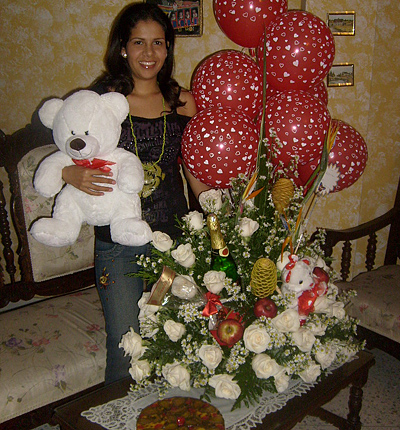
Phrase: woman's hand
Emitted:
{"points": [[196, 186], [90, 181]]}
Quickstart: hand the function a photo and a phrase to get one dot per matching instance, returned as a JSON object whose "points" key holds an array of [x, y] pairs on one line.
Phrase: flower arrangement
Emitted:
{"points": [[237, 339]]}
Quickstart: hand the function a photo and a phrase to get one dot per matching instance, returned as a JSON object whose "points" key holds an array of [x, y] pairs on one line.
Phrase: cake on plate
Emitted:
{"points": [[180, 413]]}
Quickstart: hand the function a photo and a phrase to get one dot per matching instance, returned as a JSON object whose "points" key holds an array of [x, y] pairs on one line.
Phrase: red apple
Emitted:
{"points": [[265, 307], [320, 275], [230, 331]]}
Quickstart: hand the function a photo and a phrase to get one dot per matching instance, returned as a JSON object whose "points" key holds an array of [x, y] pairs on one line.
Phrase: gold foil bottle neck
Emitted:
{"points": [[217, 240]]}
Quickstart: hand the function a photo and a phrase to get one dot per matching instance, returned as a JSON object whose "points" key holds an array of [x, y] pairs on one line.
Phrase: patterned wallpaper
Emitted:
{"points": [[50, 48]]}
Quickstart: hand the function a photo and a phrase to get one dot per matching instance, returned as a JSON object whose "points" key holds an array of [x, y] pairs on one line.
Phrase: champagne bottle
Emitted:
{"points": [[221, 259]]}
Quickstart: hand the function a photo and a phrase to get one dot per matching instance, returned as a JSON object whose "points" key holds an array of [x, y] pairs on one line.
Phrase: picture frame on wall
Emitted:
{"points": [[186, 16], [341, 75], [342, 23]]}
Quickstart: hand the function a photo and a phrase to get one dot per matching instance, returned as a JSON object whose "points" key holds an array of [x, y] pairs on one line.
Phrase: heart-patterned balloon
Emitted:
{"points": [[238, 83], [300, 122], [218, 144], [300, 50], [244, 21], [350, 154]]}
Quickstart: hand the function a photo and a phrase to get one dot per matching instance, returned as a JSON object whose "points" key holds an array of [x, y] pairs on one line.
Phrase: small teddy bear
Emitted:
{"points": [[306, 279], [86, 129]]}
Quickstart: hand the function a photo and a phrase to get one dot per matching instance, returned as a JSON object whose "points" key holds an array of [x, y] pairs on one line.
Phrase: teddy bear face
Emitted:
{"points": [[297, 276], [86, 125]]}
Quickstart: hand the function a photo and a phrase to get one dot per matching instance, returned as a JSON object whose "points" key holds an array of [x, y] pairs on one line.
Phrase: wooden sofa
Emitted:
{"points": [[377, 304], [52, 337]]}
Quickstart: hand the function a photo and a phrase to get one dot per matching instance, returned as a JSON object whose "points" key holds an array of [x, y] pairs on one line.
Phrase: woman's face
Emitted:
{"points": [[146, 50]]}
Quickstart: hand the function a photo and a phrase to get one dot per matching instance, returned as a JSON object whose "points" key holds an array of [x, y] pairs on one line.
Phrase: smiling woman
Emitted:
{"points": [[139, 62]]}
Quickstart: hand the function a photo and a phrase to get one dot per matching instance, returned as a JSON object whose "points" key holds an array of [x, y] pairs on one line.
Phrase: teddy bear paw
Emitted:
{"points": [[131, 232], [53, 232]]}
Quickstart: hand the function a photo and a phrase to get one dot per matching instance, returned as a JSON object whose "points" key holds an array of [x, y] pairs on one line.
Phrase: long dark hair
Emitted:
{"points": [[118, 75]]}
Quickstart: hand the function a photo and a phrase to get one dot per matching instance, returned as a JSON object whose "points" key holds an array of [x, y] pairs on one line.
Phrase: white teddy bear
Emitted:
{"points": [[305, 278], [86, 128]]}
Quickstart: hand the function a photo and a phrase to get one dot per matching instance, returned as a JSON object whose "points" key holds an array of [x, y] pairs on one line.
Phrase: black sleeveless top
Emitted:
{"points": [[168, 200]]}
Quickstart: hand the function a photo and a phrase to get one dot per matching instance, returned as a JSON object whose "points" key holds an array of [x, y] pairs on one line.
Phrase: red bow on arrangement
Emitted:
{"points": [[96, 163], [211, 306]]}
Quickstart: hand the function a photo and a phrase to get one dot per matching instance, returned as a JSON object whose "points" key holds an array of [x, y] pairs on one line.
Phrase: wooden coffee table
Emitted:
{"points": [[354, 374]]}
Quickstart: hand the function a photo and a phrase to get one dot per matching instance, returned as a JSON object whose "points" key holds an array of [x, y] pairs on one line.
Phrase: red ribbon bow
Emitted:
{"points": [[96, 163], [211, 306]]}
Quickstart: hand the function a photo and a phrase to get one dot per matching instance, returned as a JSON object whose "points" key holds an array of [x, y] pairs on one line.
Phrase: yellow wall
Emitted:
{"points": [[50, 48]]}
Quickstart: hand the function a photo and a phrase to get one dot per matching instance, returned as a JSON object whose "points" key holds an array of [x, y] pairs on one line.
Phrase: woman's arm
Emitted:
{"points": [[90, 181], [196, 186]]}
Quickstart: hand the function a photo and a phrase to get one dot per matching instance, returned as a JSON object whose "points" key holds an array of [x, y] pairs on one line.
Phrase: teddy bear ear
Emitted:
{"points": [[117, 103], [49, 110]]}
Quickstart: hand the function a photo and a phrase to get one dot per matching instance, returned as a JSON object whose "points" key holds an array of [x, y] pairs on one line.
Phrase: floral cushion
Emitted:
{"points": [[49, 262], [50, 350], [377, 304]]}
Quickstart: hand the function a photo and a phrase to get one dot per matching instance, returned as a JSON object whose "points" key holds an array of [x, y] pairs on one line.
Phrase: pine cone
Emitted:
{"points": [[282, 193], [263, 278]]}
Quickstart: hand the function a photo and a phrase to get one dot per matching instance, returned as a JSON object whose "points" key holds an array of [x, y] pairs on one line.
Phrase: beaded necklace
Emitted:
{"points": [[153, 175]]}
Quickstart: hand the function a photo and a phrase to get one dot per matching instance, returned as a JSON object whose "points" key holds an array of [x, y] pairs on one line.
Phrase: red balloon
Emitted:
{"points": [[218, 144], [320, 92], [349, 154], [300, 50], [228, 78], [346, 163], [300, 122], [244, 21]]}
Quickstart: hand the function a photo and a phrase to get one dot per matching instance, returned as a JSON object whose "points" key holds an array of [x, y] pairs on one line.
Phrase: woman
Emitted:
{"points": [[139, 63]]}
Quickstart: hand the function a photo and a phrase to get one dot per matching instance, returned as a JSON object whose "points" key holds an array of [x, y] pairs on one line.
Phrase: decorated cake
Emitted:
{"points": [[181, 413]]}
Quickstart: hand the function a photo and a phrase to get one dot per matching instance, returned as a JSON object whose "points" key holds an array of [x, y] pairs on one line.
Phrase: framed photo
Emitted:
{"points": [[342, 23], [341, 75], [186, 16]]}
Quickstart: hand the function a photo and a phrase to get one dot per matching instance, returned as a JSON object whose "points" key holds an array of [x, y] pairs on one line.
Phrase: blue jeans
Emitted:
{"points": [[119, 295]]}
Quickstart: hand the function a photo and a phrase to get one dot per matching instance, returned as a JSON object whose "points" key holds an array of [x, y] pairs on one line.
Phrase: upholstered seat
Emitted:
{"points": [[377, 304]]}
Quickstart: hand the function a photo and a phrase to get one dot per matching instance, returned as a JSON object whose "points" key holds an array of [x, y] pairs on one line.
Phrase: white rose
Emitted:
{"points": [[311, 373], [183, 287], [247, 226], [131, 342], [225, 386], [337, 310], [281, 380], [174, 330], [211, 200], [194, 220], [326, 356], [184, 255], [214, 281], [177, 376], [304, 339], [162, 241], [147, 311], [139, 370], [264, 366], [287, 321], [256, 338], [323, 304], [211, 356]]}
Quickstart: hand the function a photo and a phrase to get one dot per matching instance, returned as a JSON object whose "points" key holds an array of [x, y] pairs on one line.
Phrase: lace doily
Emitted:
{"points": [[121, 414]]}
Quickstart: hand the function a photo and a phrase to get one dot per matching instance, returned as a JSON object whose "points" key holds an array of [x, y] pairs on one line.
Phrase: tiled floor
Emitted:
{"points": [[381, 399]]}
